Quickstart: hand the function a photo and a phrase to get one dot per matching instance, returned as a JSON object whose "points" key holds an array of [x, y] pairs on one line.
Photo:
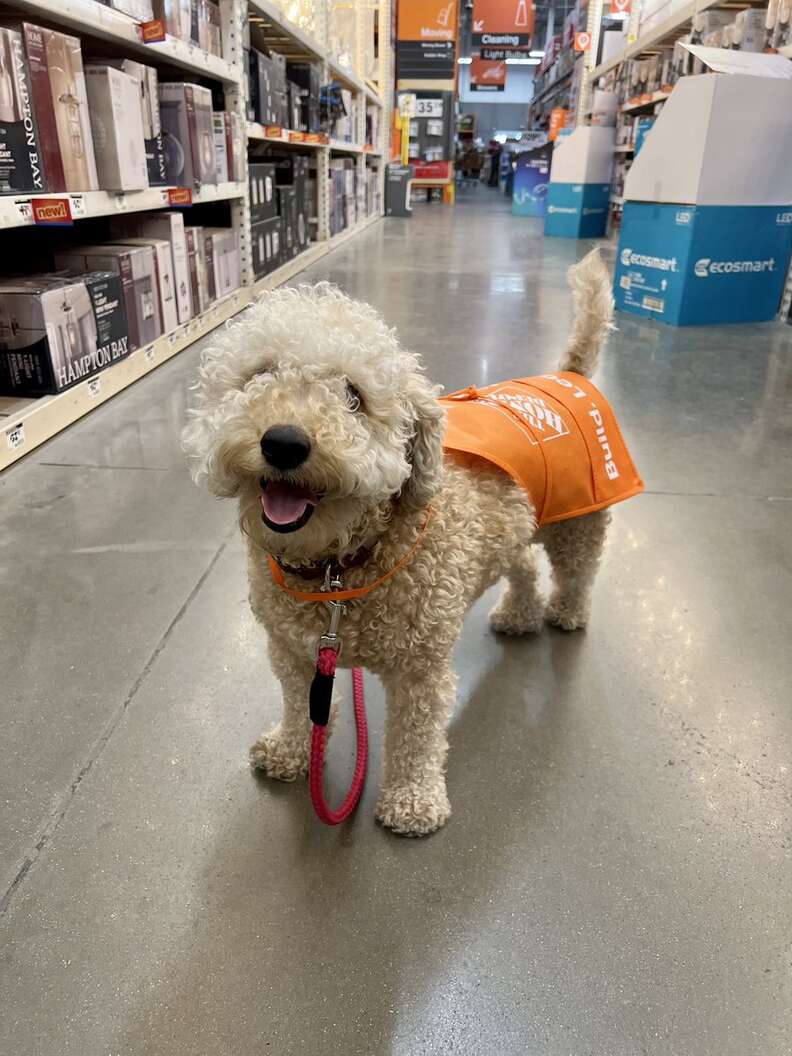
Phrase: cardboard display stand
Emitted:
{"points": [[707, 224], [577, 198], [531, 176]]}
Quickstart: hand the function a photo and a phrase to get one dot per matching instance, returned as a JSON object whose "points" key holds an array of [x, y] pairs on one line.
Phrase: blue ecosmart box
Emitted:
{"points": [[692, 265], [577, 210]]}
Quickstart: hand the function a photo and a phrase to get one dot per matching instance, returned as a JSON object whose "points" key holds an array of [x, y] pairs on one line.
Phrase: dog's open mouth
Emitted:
{"points": [[286, 507]]}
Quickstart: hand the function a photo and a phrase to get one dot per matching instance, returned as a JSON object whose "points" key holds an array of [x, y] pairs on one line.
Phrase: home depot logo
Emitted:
{"points": [[531, 409], [51, 211], [642, 260], [706, 266]]}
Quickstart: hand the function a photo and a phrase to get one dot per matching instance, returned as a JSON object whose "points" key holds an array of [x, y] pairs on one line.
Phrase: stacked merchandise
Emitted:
{"points": [[305, 90], [196, 21], [279, 197], [267, 94], [284, 94], [643, 84], [57, 330], [104, 125], [228, 146], [106, 300], [45, 131]]}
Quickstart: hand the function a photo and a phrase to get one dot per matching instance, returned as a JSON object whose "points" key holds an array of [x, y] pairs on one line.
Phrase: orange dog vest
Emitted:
{"points": [[555, 434]]}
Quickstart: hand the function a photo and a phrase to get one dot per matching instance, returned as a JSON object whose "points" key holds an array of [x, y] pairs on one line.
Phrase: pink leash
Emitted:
{"points": [[321, 694]]}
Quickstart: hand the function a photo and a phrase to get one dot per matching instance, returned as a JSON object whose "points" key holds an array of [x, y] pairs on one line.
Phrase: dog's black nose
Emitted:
{"points": [[285, 446]]}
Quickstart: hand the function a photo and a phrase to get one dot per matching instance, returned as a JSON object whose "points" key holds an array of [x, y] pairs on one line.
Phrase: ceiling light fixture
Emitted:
{"points": [[536, 54], [464, 61], [523, 62]]}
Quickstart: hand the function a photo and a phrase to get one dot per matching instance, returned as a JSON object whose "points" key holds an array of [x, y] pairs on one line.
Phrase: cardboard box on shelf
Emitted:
{"points": [[170, 227], [116, 128], [202, 281], [21, 168], [308, 78], [146, 76], [265, 246], [56, 331], [287, 210], [177, 17], [209, 37], [263, 200], [60, 108], [186, 114], [706, 232], [135, 265], [224, 252], [236, 146], [220, 146], [195, 270], [166, 284]]}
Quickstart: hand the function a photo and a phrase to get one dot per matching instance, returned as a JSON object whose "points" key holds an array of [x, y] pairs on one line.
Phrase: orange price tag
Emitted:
{"points": [[153, 31], [180, 197], [273, 130], [296, 137]]}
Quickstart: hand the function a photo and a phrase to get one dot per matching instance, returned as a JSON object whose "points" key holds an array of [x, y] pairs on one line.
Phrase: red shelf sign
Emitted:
{"points": [[52, 212], [180, 197]]}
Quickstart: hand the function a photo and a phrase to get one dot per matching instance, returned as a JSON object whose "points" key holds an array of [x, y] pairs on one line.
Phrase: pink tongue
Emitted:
{"points": [[284, 503]]}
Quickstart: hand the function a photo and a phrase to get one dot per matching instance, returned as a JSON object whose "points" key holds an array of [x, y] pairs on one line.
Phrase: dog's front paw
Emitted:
{"points": [[513, 616], [414, 810], [566, 613], [280, 755]]}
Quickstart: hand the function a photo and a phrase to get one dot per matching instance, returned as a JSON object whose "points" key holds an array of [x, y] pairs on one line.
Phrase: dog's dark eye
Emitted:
{"points": [[354, 398]]}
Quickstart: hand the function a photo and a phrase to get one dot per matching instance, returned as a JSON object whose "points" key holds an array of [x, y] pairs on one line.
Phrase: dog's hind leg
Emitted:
{"points": [[282, 752], [574, 548], [521, 607], [413, 799]]}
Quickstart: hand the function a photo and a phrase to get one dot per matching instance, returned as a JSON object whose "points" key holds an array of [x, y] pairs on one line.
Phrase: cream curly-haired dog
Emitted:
{"points": [[330, 435]]}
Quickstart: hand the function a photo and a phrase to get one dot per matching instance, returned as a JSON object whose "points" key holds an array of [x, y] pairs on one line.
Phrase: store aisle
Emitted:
{"points": [[614, 878]]}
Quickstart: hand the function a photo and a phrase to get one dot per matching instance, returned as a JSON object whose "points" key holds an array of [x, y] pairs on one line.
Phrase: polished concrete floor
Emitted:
{"points": [[615, 878]]}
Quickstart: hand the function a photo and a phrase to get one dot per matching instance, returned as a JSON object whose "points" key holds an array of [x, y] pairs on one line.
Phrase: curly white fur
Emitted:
{"points": [[288, 360]]}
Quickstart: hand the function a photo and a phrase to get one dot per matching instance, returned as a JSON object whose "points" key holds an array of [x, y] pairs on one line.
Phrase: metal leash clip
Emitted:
{"points": [[331, 638]]}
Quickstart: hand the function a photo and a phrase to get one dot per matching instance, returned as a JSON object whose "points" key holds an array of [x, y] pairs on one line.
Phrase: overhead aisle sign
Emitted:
{"points": [[502, 28], [487, 76], [426, 47]]}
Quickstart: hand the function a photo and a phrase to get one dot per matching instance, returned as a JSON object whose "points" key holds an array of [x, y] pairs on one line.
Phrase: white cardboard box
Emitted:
{"points": [[171, 227], [225, 256], [186, 115], [116, 128], [166, 284], [584, 156], [220, 145], [721, 139]]}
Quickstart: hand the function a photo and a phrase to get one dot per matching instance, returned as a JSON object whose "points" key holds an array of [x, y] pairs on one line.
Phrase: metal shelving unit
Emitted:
{"points": [[26, 423]]}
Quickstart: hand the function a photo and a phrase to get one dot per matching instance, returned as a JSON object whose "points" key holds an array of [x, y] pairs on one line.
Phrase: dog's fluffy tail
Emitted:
{"points": [[593, 301]]}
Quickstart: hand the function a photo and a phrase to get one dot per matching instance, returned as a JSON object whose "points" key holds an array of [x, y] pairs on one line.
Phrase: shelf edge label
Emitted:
{"points": [[180, 197], [153, 31], [52, 212]]}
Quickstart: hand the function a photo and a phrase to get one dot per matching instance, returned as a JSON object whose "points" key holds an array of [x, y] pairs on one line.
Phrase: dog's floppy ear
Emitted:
{"points": [[426, 445]]}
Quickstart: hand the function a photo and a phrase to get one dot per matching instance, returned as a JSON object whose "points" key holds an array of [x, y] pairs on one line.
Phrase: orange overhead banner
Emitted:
{"points": [[487, 76], [502, 23], [427, 20]]}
